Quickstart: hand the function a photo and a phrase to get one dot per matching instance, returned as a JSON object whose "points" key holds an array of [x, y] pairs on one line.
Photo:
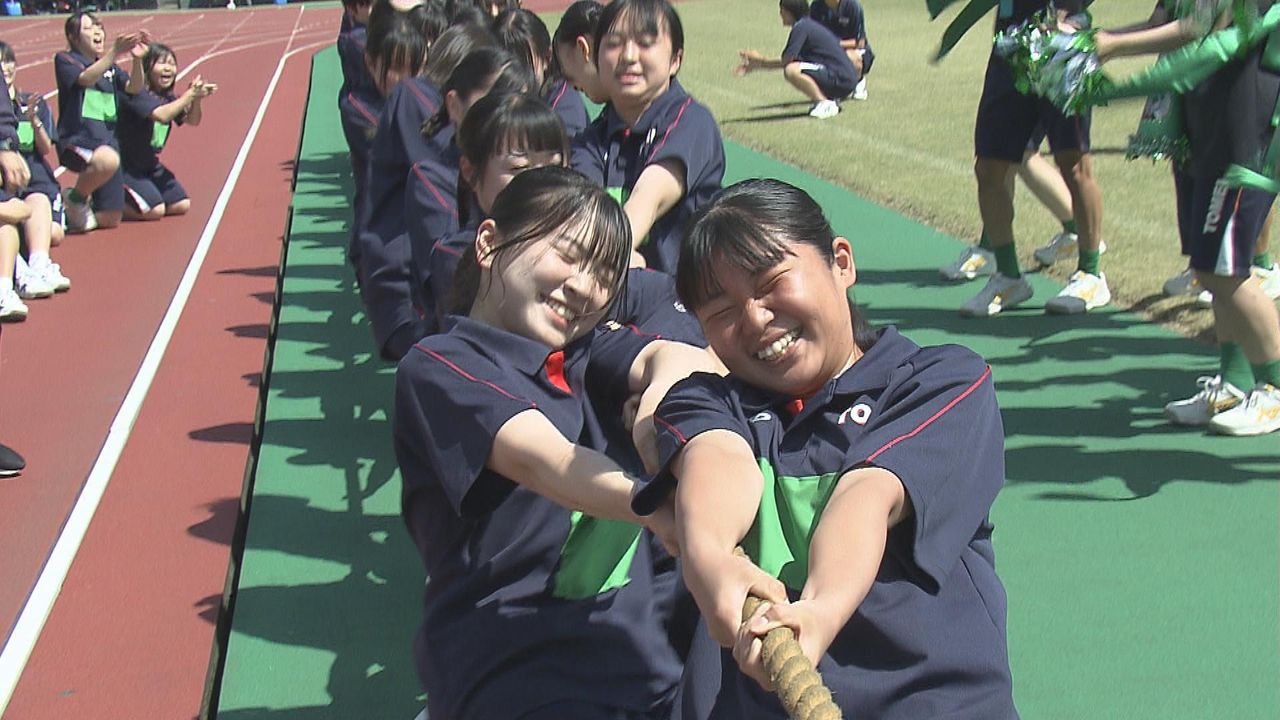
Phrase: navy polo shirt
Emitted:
{"points": [[431, 212], [810, 42], [847, 22], [8, 120], [676, 127], [141, 138], [567, 102], [929, 639], [87, 115], [442, 264], [41, 174], [527, 603], [386, 281], [359, 101]]}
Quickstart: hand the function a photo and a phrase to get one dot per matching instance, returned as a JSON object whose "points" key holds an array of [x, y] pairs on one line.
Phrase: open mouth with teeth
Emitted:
{"points": [[561, 310], [776, 349]]}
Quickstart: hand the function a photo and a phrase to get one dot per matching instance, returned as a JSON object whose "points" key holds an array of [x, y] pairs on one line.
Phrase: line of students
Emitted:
{"points": [[110, 130], [561, 336]]}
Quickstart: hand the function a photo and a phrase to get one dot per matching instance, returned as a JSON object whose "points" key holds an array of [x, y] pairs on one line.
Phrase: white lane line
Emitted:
{"points": [[35, 612]]}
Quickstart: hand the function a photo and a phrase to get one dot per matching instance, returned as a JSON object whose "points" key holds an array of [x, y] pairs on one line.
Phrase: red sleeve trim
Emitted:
{"points": [[445, 248], [422, 98], [472, 378], [671, 127], [453, 210], [968, 391], [560, 95], [359, 106]]}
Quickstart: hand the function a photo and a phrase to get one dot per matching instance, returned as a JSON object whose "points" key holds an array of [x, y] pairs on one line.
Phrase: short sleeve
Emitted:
{"points": [[651, 304], [588, 151], [142, 104], [449, 406], [941, 434], [46, 118], [569, 106], [700, 403], [67, 70], [614, 349], [120, 79], [693, 139], [795, 43], [430, 212]]}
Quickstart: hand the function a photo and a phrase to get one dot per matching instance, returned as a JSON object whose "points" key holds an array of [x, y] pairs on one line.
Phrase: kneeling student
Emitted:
{"points": [[813, 61]]}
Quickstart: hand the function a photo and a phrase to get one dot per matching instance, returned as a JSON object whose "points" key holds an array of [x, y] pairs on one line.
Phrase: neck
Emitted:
{"points": [[631, 112]]}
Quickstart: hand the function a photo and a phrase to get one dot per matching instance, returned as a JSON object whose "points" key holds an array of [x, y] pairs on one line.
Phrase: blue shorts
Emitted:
{"points": [[1219, 225], [108, 197], [831, 85], [146, 190], [1008, 120]]}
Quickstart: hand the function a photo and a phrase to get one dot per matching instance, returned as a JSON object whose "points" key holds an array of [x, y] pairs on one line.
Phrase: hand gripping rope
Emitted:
{"points": [[797, 683]]}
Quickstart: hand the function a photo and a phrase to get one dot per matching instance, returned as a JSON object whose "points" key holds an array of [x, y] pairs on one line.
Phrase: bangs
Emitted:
{"points": [[724, 237], [637, 18], [501, 123], [595, 224], [533, 132]]}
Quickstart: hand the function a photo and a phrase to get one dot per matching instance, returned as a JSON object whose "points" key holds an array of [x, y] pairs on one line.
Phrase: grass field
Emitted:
{"points": [[910, 147]]}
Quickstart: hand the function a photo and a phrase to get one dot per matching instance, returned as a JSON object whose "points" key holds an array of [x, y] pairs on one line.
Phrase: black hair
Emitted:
{"points": [[797, 8], [155, 53], [490, 69], [454, 43], [488, 6], [468, 14], [72, 27], [643, 17], [6, 52], [579, 20], [524, 35], [500, 122], [750, 226], [429, 19], [394, 42], [351, 4], [539, 202]]}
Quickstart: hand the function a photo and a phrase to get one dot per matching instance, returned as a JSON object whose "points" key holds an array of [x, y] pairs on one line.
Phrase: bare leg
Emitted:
{"points": [[1086, 196], [995, 198], [38, 229], [102, 166], [802, 82], [178, 208], [1244, 313], [1046, 183]]}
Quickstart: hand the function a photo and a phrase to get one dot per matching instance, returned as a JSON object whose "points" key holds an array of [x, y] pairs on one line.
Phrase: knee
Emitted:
{"points": [[1223, 287], [178, 208], [792, 71], [56, 234], [108, 218], [155, 213], [105, 159], [1075, 168], [990, 172]]}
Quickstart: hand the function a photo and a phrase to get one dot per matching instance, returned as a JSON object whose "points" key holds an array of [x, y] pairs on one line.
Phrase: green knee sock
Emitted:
{"points": [[1262, 260], [984, 241], [1069, 226], [1234, 366], [1089, 261], [75, 196], [1007, 260], [1268, 372]]}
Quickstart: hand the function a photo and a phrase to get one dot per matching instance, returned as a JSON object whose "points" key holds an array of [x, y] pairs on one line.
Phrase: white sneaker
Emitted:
{"points": [[1215, 396], [31, 284], [1268, 278], [80, 217], [1062, 246], [1184, 283], [999, 294], [860, 90], [1259, 414], [1084, 293], [824, 109], [12, 309], [974, 261], [51, 273]]}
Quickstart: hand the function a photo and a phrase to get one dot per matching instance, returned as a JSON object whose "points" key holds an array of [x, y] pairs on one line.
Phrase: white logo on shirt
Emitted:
{"points": [[612, 325], [859, 414], [679, 306], [761, 417]]}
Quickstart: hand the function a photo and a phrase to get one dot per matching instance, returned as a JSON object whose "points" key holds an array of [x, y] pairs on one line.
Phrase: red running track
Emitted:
{"points": [[130, 633]]}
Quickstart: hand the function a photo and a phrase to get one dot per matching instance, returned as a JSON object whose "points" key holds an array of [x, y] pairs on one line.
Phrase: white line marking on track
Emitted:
{"points": [[30, 623]]}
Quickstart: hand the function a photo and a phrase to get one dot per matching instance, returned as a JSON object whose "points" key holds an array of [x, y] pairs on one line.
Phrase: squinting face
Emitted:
{"points": [[787, 329], [547, 291], [635, 68], [501, 168], [163, 74], [92, 37], [579, 69]]}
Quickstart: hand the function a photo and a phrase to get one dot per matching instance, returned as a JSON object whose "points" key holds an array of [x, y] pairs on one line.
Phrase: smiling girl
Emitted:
{"points": [[151, 189], [856, 467], [654, 147], [540, 599]]}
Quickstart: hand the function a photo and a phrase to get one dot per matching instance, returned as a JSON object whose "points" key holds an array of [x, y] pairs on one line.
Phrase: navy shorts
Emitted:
{"points": [[1219, 225], [147, 190], [834, 87], [575, 710], [108, 197], [1008, 120]]}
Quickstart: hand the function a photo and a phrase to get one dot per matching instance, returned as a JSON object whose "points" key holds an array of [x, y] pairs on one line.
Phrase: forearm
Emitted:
{"points": [[848, 544], [1158, 39], [169, 111], [94, 72], [657, 190], [717, 496], [44, 144], [195, 113], [662, 364], [587, 481], [765, 63], [137, 76]]}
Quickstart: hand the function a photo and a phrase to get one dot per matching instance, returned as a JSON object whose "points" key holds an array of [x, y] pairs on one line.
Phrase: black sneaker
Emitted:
{"points": [[11, 463]]}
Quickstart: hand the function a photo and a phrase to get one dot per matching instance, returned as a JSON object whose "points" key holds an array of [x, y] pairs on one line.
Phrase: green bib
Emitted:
{"points": [[596, 557], [789, 511], [159, 135], [26, 136], [99, 105]]}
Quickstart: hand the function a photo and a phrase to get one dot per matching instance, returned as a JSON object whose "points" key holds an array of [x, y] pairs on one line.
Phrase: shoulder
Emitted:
{"points": [[943, 365]]}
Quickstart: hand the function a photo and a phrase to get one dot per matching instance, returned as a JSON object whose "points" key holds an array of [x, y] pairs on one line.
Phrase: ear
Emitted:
{"points": [[584, 47], [677, 60], [842, 266], [467, 172], [486, 240], [453, 106]]}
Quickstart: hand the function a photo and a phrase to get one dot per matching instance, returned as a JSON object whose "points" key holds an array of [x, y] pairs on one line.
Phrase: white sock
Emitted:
{"points": [[6, 285], [37, 259]]}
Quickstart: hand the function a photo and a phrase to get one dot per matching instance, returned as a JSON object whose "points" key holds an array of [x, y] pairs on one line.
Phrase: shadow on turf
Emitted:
{"points": [[350, 582]]}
